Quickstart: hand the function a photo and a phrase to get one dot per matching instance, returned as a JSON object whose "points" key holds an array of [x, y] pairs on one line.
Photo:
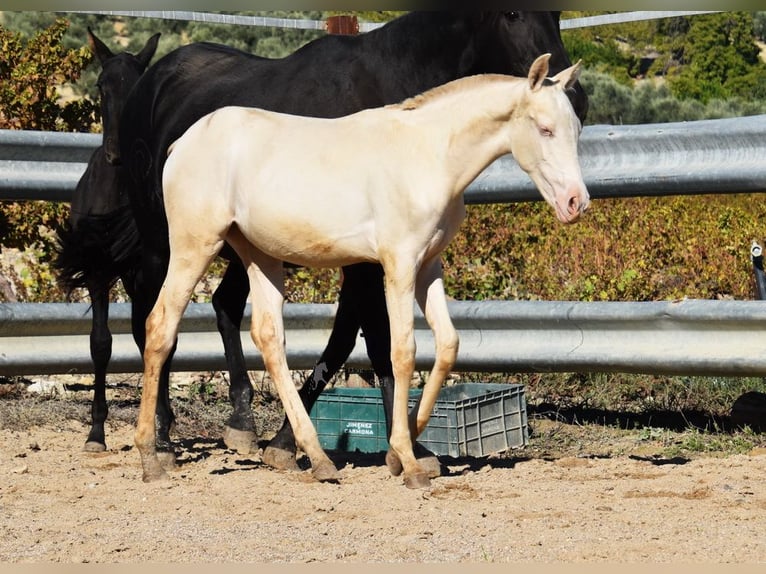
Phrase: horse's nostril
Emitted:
{"points": [[574, 205]]}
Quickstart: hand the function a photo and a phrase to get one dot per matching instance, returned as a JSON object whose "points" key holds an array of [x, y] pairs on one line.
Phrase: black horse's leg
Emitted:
{"points": [[280, 452], [145, 294], [100, 353], [362, 303], [229, 303]]}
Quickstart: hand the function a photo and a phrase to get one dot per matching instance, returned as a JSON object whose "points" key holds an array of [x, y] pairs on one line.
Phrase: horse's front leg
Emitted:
{"points": [[429, 291], [184, 271], [229, 304], [364, 292], [100, 353], [267, 331], [400, 298]]}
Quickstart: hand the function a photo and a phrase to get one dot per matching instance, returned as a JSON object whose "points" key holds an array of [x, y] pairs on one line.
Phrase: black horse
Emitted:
{"points": [[329, 77], [99, 244]]}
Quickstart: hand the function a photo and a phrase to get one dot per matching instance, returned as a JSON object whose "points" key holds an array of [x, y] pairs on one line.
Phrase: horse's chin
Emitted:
{"points": [[567, 218]]}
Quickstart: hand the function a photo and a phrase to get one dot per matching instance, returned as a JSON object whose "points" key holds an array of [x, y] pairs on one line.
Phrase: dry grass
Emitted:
{"points": [[569, 415]]}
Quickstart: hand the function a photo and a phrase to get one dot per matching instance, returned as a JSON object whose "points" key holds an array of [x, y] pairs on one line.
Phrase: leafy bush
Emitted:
{"points": [[30, 73], [635, 249]]}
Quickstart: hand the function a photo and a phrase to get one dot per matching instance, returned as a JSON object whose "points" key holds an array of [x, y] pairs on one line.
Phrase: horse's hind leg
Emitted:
{"points": [[280, 452], [268, 334], [229, 304], [100, 353], [145, 287]]}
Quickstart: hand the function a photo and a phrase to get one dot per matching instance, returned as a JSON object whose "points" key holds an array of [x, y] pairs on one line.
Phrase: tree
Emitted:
{"points": [[31, 71], [719, 59]]}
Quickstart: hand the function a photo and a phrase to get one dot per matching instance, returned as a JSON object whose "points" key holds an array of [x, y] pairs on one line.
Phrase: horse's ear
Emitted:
{"points": [[146, 53], [568, 77], [98, 48], [538, 72]]}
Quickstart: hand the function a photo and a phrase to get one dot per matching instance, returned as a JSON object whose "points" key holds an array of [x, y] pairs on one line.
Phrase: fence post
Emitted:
{"points": [[342, 25]]}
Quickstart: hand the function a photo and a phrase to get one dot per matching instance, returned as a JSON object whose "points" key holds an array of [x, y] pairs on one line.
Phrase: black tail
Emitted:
{"points": [[100, 249]]}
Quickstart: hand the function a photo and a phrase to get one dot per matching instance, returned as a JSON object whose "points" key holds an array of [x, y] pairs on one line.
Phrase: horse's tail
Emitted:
{"points": [[100, 249]]}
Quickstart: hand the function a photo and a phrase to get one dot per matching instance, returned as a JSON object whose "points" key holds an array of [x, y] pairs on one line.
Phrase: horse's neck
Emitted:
{"points": [[474, 122]]}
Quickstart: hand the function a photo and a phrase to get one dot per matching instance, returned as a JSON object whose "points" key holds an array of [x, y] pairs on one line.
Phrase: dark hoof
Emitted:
{"points": [[94, 446], [417, 480], [326, 472], [244, 442], [279, 458]]}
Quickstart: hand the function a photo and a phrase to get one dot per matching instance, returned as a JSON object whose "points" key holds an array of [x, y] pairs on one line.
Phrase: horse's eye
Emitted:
{"points": [[545, 132], [511, 15]]}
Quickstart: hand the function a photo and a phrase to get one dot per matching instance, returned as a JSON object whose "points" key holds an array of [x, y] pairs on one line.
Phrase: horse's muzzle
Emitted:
{"points": [[577, 203]]}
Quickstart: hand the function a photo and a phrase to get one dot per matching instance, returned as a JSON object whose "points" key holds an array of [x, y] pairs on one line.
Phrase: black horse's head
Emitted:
{"points": [[119, 73], [508, 43]]}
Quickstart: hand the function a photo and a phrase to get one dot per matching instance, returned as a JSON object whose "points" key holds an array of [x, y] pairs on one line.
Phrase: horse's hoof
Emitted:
{"points": [[429, 462], [279, 458], [94, 446], [393, 463], [167, 459], [155, 476], [326, 472], [417, 480], [244, 442], [431, 466]]}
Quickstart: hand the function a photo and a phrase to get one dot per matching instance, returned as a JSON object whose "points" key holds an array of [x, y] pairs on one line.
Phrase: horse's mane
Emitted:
{"points": [[444, 90]]}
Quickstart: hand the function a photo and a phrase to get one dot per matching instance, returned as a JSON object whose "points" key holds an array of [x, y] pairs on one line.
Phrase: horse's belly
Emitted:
{"points": [[305, 243]]}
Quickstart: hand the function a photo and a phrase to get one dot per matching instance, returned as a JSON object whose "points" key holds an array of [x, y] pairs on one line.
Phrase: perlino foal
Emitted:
{"points": [[383, 185]]}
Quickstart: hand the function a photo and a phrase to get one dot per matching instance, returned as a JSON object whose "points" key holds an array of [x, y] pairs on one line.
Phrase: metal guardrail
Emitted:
{"points": [[708, 156], [688, 337]]}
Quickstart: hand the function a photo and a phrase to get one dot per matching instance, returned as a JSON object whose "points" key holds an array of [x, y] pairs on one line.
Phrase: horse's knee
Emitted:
{"points": [[403, 348], [158, 338], [447, 349]]}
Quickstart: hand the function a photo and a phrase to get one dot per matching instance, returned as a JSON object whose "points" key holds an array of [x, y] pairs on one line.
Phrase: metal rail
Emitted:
{"points": [[679, 158], [688, 337]]}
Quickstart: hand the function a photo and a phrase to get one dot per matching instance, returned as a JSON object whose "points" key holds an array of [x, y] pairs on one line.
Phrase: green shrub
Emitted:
{"points": [[629, 249]]}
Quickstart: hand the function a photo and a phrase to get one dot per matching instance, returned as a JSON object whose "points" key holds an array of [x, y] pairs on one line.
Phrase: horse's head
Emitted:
{"points": [[508, 42], [544, 141], [119, 73]]}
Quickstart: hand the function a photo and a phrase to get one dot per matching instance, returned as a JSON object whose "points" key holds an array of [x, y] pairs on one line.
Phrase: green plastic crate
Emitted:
{"points": [[469, 419]]}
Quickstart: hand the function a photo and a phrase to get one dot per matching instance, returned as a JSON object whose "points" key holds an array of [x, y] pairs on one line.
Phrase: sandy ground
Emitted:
{"points": [[59, 504]]}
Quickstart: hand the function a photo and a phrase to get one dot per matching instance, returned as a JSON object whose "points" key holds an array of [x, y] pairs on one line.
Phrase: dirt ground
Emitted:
{"points": [[59, 504]]}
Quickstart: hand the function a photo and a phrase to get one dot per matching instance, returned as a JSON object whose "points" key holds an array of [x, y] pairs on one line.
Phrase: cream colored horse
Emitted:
{"points": [[383, 185]]}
